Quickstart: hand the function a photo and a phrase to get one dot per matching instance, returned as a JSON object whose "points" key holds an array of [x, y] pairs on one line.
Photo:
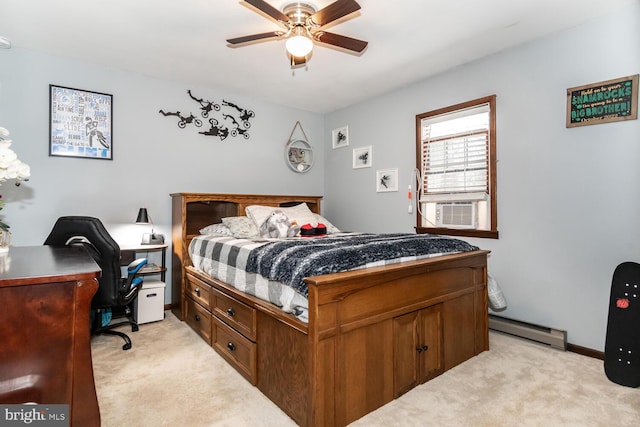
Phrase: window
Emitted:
{"points": [[456, 149]]}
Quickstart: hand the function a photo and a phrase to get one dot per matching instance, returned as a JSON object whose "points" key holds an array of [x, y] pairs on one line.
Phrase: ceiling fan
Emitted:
{"points": [[303, 25]]}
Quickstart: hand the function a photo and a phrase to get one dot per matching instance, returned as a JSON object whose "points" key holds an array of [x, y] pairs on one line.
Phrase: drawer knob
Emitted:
{"points": [[197, 317], [231, 312], [197, 291], [231, 346]]}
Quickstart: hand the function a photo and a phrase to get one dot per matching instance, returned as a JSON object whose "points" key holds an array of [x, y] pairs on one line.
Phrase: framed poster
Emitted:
{"points": [[340, 137], [362, 157], [603, 102], [386, 180], [80, 123]]}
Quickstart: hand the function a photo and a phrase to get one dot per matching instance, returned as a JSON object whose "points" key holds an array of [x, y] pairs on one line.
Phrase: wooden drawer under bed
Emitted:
{"points": [[199, 319], [226, 324], [199, 291], [235, 349], [239, 316]]}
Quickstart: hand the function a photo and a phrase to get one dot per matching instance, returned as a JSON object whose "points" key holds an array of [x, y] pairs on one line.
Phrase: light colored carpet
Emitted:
{"points": [[172, 378]]}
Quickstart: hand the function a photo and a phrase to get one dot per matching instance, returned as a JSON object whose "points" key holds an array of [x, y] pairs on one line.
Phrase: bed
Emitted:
{"points": [[368, 335]]}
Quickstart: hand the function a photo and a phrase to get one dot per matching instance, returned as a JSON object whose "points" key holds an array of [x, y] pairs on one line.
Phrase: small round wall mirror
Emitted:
{"points": [[299, 155], [298, 152]]}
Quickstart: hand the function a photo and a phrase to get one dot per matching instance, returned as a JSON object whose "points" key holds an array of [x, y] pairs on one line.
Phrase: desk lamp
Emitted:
{"points": [[148, 238]]}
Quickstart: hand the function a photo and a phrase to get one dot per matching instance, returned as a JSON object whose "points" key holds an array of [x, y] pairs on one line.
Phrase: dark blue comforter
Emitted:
{"points": [[291, 260]]}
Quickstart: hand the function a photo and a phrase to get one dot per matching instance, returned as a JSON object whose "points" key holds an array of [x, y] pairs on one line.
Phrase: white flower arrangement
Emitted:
{"points": [[10, 167]]}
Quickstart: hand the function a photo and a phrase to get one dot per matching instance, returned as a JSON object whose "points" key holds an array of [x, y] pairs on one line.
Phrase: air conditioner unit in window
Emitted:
{"points": [[456, 215]]}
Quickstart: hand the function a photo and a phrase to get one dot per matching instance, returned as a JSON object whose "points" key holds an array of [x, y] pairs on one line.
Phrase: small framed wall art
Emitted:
{"points": [[362, 157], [386, 180], [340, 137], [80, 123]]}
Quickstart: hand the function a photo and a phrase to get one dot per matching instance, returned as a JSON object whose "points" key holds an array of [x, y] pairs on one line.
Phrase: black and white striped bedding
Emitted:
{"points": [[274, 269], [225, 258]]}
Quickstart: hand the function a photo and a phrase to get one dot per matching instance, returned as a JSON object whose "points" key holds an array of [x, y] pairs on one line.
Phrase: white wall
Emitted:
{"points": [[152, 156], [567, 198]]}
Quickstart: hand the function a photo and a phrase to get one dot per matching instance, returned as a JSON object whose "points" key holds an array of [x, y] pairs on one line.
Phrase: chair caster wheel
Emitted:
{"points": [[134, 328], [127, 346]]}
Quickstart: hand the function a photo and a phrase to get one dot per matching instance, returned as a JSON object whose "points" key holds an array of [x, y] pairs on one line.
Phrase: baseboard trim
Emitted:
{"points": [[555, 338], [584, 351], [542, 334]]}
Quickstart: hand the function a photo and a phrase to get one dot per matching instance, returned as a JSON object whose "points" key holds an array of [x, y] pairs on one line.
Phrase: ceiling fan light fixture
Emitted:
{"points": [[298, 44], [304, 25]]}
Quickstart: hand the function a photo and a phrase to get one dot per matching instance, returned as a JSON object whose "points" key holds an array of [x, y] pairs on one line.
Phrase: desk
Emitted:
{"points": [[45, 356]]}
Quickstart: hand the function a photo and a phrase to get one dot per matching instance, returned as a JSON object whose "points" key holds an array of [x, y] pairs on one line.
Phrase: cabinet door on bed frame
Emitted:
{"points": [[417, 348]]}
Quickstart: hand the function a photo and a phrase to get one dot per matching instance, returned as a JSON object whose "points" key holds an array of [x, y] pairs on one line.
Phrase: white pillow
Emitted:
{"points": [[241, 227], [301, 214], [218, 228]]}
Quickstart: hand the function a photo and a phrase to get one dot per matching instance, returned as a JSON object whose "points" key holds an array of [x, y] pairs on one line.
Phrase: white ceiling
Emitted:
{"points": [[185, 40]]}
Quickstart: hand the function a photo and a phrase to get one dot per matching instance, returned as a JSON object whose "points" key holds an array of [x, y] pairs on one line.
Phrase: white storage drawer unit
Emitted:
{"points": [[149, 304]]}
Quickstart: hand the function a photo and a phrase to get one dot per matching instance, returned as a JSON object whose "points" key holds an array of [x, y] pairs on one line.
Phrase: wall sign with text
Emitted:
{"points": [[603, 102]]}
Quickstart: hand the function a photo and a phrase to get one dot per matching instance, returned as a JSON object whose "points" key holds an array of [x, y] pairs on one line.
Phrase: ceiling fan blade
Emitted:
{"points": [[298, 61], [340, 41], [255, 37], [269, 10], [333, 12]]}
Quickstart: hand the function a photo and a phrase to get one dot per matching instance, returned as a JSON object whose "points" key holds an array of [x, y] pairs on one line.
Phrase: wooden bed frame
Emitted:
{"points": [[373, 334]]}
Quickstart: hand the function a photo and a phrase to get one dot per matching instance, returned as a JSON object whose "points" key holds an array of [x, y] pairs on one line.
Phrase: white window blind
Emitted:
{"points": [[455, 152]]}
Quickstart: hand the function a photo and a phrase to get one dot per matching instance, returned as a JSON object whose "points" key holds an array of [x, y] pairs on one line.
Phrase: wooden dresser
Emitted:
{"points": [[45, 356]]}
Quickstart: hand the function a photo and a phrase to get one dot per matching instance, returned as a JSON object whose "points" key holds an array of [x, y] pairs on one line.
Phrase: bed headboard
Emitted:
{"points": [[197, 210], [194, 211]]}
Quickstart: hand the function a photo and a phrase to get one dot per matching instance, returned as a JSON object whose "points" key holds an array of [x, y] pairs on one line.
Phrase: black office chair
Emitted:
{"points": [[114, 291]]}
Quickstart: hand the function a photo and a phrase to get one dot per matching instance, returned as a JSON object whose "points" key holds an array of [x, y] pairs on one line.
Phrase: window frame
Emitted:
{"points": [[492, 233]]}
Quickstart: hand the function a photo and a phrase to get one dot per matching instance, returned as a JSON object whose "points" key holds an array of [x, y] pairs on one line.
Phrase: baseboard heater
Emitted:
{"points": [[554, 337]]}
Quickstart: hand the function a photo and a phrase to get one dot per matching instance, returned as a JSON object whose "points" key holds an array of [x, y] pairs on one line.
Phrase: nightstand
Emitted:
{"points": [[149, 304], [130, 252]]}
